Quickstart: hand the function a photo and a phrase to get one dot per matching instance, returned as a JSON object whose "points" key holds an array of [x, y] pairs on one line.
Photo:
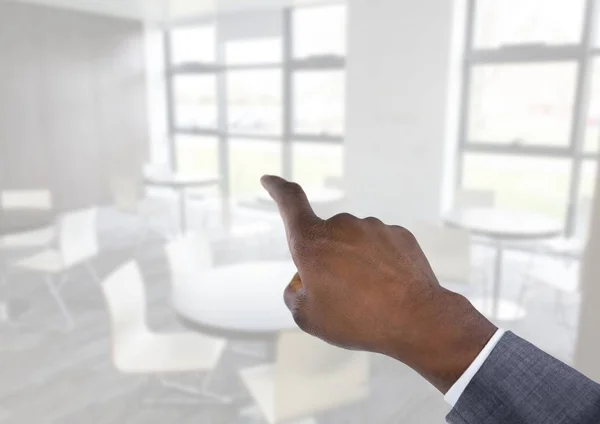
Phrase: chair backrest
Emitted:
{"points": [[126, 193], [189, 255], [465, 198], [125, 297], [26, 199], [448, 251], [313, 376], [78, 239]]}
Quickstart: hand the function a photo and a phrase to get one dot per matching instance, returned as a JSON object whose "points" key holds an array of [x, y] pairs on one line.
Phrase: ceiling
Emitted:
{"points": [[167, 10]]}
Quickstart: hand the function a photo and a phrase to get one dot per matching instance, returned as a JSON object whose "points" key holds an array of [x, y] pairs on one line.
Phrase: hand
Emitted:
{"points": [[365, 285]]}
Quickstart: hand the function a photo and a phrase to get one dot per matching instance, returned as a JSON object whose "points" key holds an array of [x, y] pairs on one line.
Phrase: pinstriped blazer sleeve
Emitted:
{"points": [[520, 384]]}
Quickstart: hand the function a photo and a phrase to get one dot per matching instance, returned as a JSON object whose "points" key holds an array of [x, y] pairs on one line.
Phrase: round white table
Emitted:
{"points": [[499, 226], [180, 183], [239, 301]]}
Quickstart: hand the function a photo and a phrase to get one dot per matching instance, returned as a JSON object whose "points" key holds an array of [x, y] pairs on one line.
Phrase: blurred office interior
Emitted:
{"points": [[142, 265]]}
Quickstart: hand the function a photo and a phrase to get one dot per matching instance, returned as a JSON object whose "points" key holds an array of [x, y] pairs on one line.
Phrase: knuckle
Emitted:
{"points": [[343, 218], [404, 232], [371, 220]]}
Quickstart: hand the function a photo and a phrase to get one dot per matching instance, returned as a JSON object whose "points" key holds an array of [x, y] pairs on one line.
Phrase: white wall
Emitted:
{"points": [[72, 104], [588, 345], [398, 74]]}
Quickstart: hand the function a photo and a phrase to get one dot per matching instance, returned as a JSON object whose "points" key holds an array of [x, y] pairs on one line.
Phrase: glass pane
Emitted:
{"points": [[195, 101], [319, 102], [504, 22], [521, 183], [254, 102], [319, 31], [318, 164], [592, 133], [522, 104], [197, 155], [193, 45], [248, 161], [268, 50]]}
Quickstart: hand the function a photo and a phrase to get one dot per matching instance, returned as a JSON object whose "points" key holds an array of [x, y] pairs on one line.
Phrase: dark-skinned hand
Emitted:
{"points": [[365, 285]]}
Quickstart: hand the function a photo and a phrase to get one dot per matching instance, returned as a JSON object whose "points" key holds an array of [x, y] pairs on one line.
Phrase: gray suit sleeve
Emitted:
{"points": [[519, 383]]}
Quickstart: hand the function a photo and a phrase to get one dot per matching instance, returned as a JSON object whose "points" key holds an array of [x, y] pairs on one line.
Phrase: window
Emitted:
{"points": [[319, 31], [248, 161], [246, 98], [521, 183], [527, 131], [506, 22], [195, 101], [239, 52], [193, 45], [522, 104], [319, 102], [317, 164], [197, 155], [254, 101]]}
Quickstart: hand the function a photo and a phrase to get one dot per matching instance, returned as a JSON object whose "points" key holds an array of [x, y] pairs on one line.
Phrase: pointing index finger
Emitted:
{"points": [[293, 205]]}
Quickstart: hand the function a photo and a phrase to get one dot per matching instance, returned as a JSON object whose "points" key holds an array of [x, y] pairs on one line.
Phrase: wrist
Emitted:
{"points": [[448, 339]]}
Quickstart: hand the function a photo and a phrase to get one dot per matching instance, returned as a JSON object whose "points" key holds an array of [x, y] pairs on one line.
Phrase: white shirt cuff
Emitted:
{"points": [[461, 384]]}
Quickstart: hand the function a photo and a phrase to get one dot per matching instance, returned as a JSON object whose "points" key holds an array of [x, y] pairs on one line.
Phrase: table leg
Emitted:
{"points": [[497, 279]]}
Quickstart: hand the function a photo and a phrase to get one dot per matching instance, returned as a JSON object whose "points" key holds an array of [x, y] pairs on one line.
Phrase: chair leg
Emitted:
{"points": [[64, 310], [198, 394], [207, 392]]}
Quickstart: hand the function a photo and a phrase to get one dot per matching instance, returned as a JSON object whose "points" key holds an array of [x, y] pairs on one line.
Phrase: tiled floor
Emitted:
{"points": [[51, 376]]}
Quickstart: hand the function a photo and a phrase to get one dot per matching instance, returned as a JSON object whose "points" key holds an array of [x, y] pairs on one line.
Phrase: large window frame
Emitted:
{"points": [[582, 54], [288, 66]]}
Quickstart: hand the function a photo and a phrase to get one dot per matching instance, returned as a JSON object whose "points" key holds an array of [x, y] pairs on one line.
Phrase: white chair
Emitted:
{"points": [[545, 264], [309, 376], [448, 251], [571, 247], [27, 200], [561, 276], [18, 201], [155, 215], [138, 350], [77, 243], [15, 239]]}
